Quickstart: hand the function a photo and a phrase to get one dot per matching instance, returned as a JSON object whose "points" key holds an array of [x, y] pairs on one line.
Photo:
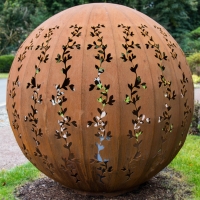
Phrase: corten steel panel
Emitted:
{"points": [[100, 98]]}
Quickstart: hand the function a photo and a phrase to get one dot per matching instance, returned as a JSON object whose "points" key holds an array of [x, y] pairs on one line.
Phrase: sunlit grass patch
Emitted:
{"points": [[188, 163], [10, 179]]}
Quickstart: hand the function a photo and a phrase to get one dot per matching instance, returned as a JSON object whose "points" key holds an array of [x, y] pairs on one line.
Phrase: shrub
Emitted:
{"points": [[195, 125], [194, 63], [195, 78], [5, 63]]}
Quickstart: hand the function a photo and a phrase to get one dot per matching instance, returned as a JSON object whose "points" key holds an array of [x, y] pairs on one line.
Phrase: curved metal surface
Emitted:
{"points": [[100, 98]]}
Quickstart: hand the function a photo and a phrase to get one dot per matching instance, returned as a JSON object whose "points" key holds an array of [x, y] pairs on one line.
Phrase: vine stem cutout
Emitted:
{"points": [[99, 121]]}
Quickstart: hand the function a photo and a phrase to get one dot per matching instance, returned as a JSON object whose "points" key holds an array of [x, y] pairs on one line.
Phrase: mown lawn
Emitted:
{"points": [[10, 179], [188, 163]]}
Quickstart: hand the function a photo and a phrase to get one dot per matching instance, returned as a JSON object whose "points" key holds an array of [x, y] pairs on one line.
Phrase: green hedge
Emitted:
{"points": [[5, 63]]}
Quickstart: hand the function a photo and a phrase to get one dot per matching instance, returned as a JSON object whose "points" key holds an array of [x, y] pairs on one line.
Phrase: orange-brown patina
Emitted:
{"points": [[100, 98]]}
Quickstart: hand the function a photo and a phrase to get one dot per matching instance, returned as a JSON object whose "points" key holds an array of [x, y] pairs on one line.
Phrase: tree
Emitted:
{"points": [[54, 7], [15, 23], [191, 41], [172, 14]]}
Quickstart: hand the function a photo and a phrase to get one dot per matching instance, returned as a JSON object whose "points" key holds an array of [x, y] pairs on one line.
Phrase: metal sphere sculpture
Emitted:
{"points": [[100, 98]]}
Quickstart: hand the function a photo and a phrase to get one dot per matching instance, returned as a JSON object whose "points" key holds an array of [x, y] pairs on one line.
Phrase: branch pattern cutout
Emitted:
{"points": [[39, 33], [133, 98], [171, 45], [188, 109], [183, 81], [16, 117], [100, 120], [70, 162], [12, 94], [37, 99], [169, 93]]}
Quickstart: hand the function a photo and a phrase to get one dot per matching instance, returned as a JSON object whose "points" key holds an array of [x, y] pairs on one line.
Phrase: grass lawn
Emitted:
{"points": [[188, 163], [10, 179], [3, 75]]}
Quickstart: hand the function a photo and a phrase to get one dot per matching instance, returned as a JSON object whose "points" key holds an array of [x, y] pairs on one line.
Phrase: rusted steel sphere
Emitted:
{"points": [[100, 98]]}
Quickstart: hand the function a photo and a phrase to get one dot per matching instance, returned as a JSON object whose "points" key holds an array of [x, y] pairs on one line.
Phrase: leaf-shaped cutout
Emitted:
{"points": [[164, 56], [108, 137], [89, 123], [46, 58], [130, 134], [100, 147], [111, 100], [137, 82], [123, 169], [68, 145], [38, 86], [89, 46], [144, 85], [38, 152], [127, 99], [138, 46], [64, 110], [100, 51], [97, 67], [72, 87], [123, 57], [92, 86], [110, 169], [92, 34], [133, 69], [74, 123], [33, 82], [28, 85], [40, 133], [125, 46], [104, 46], [69, 57], [109, 57], [99, 110], [57, 134], [78, 46], [130, 86], [103, 114], [98, 57], [65, 83]]}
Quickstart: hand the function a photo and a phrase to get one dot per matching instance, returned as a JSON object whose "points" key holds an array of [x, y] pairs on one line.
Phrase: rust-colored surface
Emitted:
{"points": [[100, 98]]}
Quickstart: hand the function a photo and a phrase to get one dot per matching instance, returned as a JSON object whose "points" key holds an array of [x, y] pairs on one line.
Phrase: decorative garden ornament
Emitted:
{"points": [[100, 98]]}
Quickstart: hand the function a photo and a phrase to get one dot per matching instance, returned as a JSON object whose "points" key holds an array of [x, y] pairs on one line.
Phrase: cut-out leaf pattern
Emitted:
{"points": [[104, 99], [37, 98], [60, 98], [133, 98], [163, 83]]}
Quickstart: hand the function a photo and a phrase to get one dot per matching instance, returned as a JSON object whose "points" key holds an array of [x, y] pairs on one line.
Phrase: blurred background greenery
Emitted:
{"points": [[180, 17]]}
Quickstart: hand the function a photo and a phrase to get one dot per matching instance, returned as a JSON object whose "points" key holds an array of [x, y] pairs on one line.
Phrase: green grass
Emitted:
{"points": [[188, 163], [10, 179], [3, 75]]}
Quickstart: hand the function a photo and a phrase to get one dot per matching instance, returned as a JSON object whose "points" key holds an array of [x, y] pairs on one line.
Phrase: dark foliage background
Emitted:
{"points": [[19, 17]]}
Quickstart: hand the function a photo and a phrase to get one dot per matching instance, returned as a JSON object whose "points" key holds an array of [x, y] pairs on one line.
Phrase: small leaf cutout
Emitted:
{"points": [[103, 114]]}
